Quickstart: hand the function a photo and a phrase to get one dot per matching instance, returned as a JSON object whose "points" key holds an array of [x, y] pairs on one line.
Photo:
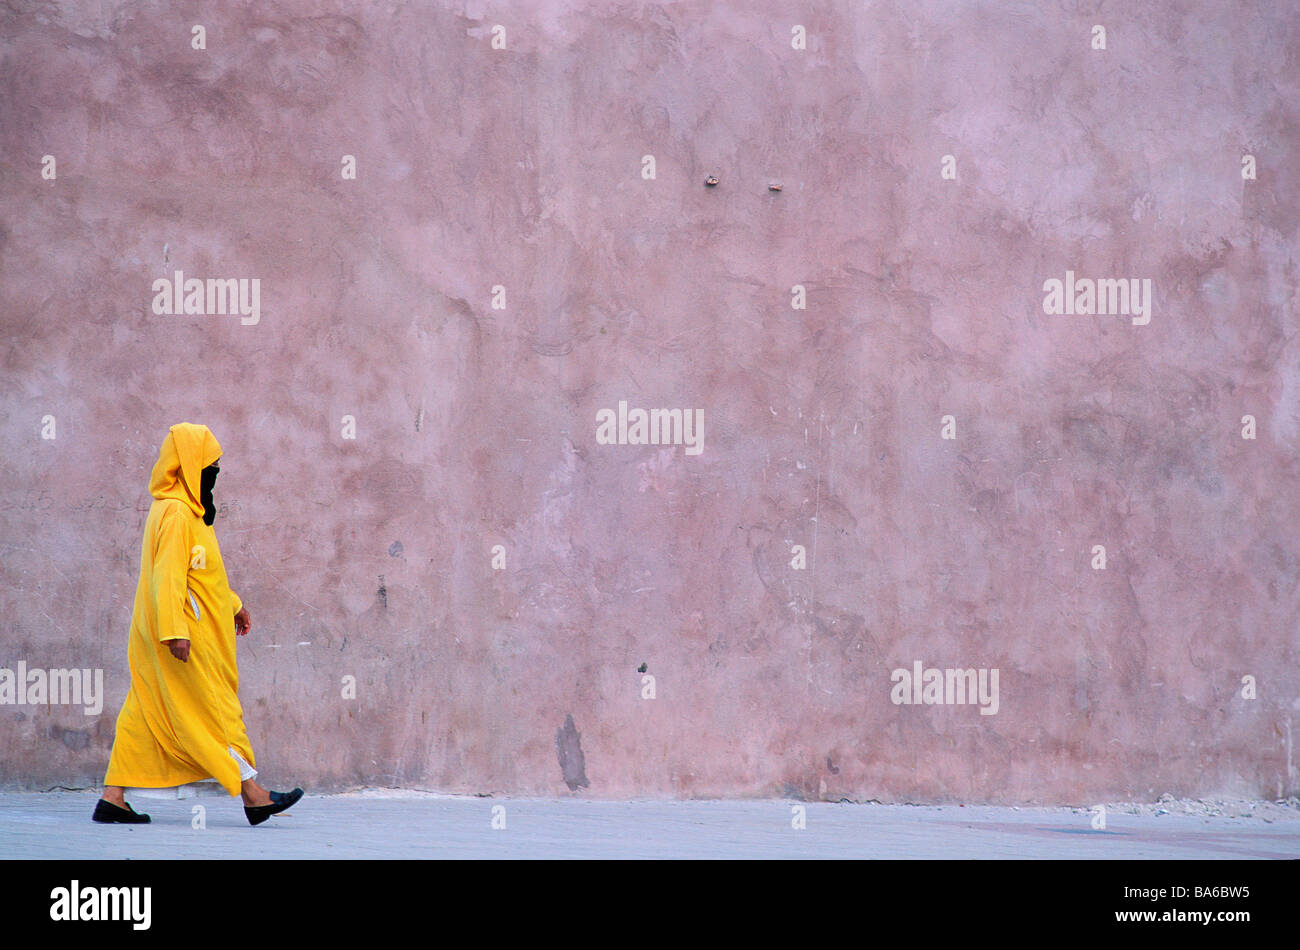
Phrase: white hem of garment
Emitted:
{"points": [[206, 787]]}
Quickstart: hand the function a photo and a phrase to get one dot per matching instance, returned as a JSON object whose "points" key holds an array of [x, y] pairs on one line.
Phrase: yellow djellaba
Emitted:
{"points": [[181, 719]]}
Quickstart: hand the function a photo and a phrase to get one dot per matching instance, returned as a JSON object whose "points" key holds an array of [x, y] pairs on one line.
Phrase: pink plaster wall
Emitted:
{"points": [[477, 427]]}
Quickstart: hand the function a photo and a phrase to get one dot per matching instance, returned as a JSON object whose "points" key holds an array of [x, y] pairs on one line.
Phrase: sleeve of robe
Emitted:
{"points": [[171, 567]]}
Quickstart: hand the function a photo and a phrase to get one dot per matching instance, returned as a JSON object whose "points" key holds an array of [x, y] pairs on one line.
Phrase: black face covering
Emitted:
{"points": [[208, 478]]}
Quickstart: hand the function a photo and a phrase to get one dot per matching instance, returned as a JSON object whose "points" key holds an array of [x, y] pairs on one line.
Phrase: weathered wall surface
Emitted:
{"points": [[475, 427]]}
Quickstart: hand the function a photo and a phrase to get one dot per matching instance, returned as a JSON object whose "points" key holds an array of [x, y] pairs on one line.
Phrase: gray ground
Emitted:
{"points": [[380, 823]]}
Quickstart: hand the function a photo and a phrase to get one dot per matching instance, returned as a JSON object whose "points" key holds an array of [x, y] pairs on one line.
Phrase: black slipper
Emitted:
{"points": [[109, 814], [280, 801]]}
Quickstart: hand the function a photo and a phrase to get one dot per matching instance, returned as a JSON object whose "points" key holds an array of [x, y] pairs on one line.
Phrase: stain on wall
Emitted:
{"points": [[568, 749], [501, 269]]}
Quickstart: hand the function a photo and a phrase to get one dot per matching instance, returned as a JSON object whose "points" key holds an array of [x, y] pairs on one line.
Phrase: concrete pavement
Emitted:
{"points": [[403, 824]]}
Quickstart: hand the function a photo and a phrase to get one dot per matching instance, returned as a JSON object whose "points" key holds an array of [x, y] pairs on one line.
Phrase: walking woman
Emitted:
{"points": [[182, 721]]}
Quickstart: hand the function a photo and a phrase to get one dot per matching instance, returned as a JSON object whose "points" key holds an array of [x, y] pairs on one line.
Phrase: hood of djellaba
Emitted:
{"points": [[186, 451]]}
